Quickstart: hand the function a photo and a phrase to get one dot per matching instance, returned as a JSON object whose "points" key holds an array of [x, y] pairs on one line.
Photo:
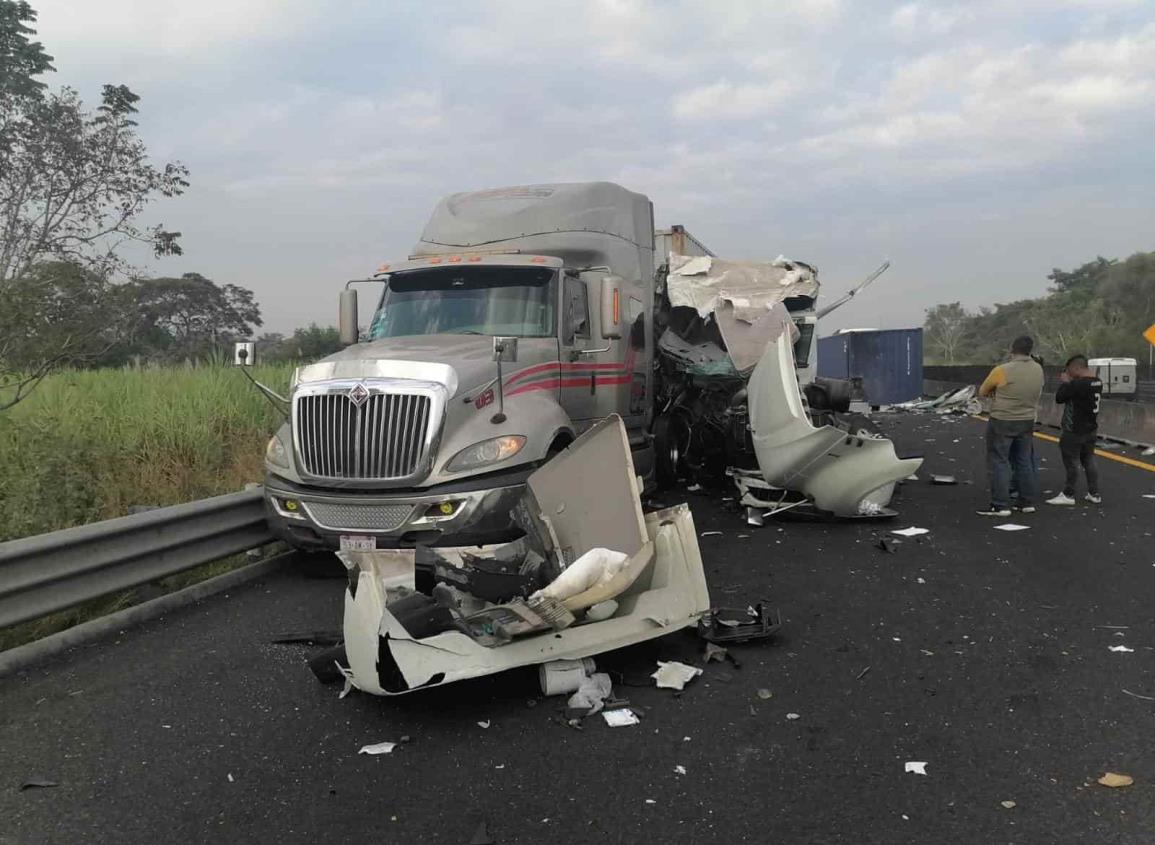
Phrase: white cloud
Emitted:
{"points": [[727, 101], [918, 20]]}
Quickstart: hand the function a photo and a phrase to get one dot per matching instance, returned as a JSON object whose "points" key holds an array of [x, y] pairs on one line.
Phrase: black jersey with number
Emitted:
{"points": [[1082, 397]]}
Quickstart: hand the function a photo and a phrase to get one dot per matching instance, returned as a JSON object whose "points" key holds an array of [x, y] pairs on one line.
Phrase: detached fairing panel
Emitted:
{"points": [[837, 470]]}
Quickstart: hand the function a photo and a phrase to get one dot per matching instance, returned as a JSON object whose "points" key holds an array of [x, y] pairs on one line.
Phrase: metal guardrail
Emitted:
{"points": [[50, 572]]}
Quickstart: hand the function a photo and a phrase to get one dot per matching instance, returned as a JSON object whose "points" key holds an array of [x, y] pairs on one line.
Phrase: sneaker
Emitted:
{"points": [[995, 511], [1094, 498], [1061, 499]]}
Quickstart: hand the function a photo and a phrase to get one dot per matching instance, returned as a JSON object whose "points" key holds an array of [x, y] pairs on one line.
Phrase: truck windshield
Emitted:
{"points": [[484, 300]]}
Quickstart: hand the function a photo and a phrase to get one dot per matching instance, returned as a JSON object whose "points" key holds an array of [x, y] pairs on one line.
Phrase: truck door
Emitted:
{"points": [[579, 355]]}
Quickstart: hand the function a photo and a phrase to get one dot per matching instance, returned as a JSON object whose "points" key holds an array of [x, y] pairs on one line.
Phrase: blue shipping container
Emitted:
{"points": [[889, 362]]}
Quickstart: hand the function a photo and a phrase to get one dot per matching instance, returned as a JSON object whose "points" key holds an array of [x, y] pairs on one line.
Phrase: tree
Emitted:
{"points": [[945, 327], [315, 342], [73, 185], [191, 316]]}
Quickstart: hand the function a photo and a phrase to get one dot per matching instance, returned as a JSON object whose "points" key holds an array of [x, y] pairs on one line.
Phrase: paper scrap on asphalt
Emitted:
{"points": [[1120, 648], [484, 724], [1011, 526], [680, 770], [1010, 805], [674, 675], [1115, 780], [910, 532], [916, 767], [620, 718], [378, 748]]}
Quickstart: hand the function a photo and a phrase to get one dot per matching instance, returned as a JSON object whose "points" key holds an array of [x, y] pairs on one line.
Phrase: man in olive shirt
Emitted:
{"points": [[1015, 387]]}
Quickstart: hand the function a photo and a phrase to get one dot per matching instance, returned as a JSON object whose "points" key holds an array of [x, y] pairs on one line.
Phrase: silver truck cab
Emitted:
{"points": [[523, 316]]}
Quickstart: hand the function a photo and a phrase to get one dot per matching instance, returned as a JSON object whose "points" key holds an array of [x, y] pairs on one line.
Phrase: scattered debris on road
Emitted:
{"points": [[1008, 805], [1011, 526], [621, 717], [1121, 649], [1115, 780], [674, 675], [910, 532], [378, 748], [793, 717], [38, 783], [915, 767], [739, 625], [1136, 695]]}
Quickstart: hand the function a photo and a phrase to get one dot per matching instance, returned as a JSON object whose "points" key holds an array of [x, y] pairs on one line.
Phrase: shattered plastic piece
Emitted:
{"points": [[674, 675], [765, 694], [1115, 780], [793, 717], [910, 532], [713, 652], [1009, 805], [693, 488], [230, 777], [1148, 452], [484, 724], [728, 624], [679, 770], [592, 694], [915, 767], [378, 748], [943, 479], [711, 534], [1011, 526], [620, 718], [1120, 648], [38, 783]]}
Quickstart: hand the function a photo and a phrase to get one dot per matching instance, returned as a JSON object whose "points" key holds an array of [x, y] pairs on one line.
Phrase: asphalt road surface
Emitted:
{"points": [[982, 653]]}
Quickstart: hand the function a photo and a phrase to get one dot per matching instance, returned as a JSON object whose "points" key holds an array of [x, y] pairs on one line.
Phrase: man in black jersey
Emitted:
{"points": [[1080, 393]]}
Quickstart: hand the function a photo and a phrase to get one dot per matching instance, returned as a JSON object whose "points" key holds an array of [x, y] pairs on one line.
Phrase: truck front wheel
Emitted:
{"points": [[671, 437]]}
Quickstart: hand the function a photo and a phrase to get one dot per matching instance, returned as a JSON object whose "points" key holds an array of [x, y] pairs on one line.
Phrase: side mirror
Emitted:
{"points": [[347, 317], [505, 350], [244, 354], [612, 307]]}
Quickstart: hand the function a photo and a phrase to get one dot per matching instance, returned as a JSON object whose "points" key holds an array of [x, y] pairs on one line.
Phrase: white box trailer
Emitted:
{"points": [[1117, 374]]}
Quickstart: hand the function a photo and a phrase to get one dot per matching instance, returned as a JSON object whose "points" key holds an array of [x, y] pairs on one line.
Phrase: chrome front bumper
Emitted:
{"points": [[315, 519]]}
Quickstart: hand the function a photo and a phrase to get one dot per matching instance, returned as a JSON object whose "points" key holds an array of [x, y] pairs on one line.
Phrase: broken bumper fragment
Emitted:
{"points": [[592, 575]]}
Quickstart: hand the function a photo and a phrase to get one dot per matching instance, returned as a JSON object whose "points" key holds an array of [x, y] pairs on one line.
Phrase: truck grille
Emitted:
{"points": [[383, 437], [344, 517]]}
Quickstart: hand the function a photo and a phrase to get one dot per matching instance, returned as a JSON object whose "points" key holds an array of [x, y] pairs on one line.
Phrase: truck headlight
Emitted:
{"points": [[275, 453], [486, 452]]}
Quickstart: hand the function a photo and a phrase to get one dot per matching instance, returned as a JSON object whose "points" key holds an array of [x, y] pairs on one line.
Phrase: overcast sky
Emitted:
{"points": [[976, 145]]}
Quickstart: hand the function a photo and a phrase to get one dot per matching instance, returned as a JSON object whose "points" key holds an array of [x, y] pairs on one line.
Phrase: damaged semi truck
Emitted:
{"points": [[522, 317]]}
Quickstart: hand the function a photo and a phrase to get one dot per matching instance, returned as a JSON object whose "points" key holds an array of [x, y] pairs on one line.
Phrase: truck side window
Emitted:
{"points": [[577, 309]]}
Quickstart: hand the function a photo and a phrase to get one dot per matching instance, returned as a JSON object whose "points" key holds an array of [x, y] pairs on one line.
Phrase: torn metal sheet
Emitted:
{"points": [[590, 496], [751, 287], [746, 340], [842, 473]]}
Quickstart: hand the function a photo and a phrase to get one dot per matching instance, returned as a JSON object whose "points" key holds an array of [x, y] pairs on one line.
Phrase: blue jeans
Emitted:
{"points": [[1010, 447]]}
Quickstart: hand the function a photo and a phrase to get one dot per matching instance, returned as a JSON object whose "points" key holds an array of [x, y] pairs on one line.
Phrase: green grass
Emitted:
{"points": [[88, 445]]}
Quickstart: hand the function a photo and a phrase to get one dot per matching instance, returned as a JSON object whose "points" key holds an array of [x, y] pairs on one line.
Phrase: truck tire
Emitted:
{"points": [[671, 436]]}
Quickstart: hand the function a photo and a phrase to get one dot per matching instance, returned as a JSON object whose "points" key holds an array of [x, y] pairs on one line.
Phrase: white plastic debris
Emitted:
{"points": [[1011, 526], [674, 675], [621, 718], [592, 693], [910, 532], [710, 534], [597, 566], [793, 717], [1120, 648], [1148, 452], [231, 778], [378, 748], [915, 767], [484, 724], [680, 770], [1149, 495]]}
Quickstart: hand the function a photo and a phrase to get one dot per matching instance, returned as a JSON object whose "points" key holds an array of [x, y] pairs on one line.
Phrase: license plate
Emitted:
{"points": [[358, 543]]}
